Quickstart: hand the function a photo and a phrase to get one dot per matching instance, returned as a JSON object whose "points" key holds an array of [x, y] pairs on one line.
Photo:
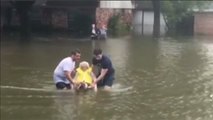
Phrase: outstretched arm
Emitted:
{"points": [[75, 78], [94, 85], [102, 75], [93, 76], [68, 76]]}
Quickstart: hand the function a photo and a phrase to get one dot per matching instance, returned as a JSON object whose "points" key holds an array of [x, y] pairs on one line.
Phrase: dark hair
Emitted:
{"points": [[97, 51], [74, 52]]}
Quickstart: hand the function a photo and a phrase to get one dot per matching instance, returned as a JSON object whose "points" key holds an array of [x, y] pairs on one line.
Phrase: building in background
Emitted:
{"points": [[203, 21], [71, 15], [75, 16]]}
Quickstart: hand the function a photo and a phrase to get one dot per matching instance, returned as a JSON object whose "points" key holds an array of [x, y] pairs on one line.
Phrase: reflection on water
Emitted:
{"points": [[166, 79]]}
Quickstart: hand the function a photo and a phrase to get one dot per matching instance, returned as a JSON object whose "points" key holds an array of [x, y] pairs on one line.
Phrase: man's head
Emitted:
{"points": [[76, 55], [97, 53]]}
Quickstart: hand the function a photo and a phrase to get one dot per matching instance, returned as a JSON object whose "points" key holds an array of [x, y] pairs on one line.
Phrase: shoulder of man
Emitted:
{"points": [[68, 60], [64, 59], [105, 57]]}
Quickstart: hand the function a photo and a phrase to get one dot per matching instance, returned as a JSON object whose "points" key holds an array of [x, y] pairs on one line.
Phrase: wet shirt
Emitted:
{"points": [[104, 63], [67, 64]]}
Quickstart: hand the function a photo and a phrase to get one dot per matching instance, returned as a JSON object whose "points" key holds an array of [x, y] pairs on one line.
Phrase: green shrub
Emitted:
{"points": [[116, 27]]}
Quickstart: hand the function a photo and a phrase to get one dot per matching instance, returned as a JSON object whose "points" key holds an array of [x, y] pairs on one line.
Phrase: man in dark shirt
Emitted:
{"points": [[106, 75]]}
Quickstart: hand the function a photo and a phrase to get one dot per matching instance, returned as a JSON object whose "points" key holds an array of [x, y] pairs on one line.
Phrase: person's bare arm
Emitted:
{"points": [[69, 77], [93, 76], [101, 76], [75, 77], [94, 85], [92, 66]]}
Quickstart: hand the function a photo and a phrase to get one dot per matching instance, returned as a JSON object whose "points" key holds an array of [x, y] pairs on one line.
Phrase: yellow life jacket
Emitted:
{"points": [[84, 76]]}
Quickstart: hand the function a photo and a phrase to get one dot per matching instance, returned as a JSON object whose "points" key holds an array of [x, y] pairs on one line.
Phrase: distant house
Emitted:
{"points": [[203, 21], [143, 19], [63, 12], [60, 14], [9, 15]]}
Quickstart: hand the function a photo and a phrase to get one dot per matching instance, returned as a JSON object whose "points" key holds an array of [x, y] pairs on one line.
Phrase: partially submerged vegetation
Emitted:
{"points": [[117, 27]]}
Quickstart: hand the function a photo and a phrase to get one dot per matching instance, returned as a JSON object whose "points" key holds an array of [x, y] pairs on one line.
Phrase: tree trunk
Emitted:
{"points": [[156, 26]]}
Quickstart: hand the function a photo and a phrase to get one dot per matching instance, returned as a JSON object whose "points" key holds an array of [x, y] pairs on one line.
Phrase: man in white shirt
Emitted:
{"points": [[62, 73]]}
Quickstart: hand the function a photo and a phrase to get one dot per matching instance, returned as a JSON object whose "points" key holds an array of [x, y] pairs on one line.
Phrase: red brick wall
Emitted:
{"points": [[203, 23], [104, 14]]}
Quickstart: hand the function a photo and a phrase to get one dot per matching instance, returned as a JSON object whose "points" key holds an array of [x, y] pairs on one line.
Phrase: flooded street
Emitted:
{"points": [[166, 79]]}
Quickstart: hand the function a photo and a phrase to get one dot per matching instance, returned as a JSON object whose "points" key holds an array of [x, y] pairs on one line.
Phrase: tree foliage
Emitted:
{"points": [[117, 27], [176, 11]]}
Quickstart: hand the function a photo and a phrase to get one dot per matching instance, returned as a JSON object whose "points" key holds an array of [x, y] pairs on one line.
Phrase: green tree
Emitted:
{"points": [[117, 27], [174, 12]]}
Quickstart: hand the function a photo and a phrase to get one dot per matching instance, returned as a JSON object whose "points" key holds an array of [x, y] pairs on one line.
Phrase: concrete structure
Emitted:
{"points": [[128, 4]]}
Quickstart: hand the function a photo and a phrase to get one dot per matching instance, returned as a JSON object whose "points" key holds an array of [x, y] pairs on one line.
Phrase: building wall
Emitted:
{"points": [[116, 4], [60, 19], [57, 15], [203, 23], [46, 17], [102, 16]]}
